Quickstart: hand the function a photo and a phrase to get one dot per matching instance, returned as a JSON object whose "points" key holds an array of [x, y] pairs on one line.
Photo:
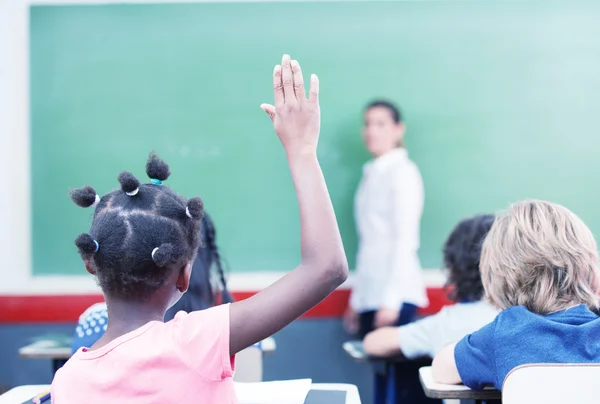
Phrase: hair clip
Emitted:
{"points": [[155, 181], [129, 184], [187, 213], [154, 252], [97, 245]]}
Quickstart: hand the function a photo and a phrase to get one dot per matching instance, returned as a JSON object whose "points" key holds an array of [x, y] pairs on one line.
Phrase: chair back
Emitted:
{"points": [[550, 383], [249, 365]]}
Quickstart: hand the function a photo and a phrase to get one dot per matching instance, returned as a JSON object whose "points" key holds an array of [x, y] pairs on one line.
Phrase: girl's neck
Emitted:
{"points": [[125, 316], [134, 314]]}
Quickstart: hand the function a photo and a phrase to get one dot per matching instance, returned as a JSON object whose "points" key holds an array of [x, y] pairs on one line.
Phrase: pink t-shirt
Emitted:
{"points": [[185, 360]]}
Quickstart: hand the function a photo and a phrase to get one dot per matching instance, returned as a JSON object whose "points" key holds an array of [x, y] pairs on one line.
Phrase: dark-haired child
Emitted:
{"points": [[426, 337], [141, 247]]}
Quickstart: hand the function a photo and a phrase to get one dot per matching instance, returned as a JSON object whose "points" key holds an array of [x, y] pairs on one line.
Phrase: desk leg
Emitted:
{"points": [[390, 384], [380, 387], [381, 372]]}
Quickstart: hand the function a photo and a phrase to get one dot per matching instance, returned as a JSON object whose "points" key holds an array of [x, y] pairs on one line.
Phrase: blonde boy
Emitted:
{"points": [[539, 264]]}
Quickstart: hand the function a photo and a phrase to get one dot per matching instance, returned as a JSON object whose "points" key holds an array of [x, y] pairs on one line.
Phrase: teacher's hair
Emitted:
{"points": [[394, 110]]}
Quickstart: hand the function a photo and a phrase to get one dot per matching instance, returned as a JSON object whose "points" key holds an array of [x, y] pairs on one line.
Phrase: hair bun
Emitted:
{"points": [[164, 255], [156, 168], [86, 244], [195, 208], [85, 197], [129, 184]]}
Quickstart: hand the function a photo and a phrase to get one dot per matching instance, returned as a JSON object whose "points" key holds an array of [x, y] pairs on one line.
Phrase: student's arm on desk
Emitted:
{"points": [[323, 264], [444, 368], [382, 342], [414, 340]]}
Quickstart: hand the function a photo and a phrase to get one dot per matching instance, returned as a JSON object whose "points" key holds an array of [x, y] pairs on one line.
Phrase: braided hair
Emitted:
{"points": [[140, 233], [202, 293], [211, 245]]}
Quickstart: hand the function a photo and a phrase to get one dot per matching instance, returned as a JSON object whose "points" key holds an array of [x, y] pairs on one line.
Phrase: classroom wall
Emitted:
{"points": [[310, 347], [14, 147], [537, 21]]}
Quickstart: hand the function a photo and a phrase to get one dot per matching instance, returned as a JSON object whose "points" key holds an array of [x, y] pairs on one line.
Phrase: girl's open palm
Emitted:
{"points": [[296, 119]]}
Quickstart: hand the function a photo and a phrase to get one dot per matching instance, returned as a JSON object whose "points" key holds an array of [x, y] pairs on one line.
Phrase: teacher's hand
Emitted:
{"points": [[386, 317]]}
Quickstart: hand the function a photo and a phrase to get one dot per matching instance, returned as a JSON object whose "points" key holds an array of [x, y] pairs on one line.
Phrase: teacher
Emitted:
{"points": [[388, 286]]}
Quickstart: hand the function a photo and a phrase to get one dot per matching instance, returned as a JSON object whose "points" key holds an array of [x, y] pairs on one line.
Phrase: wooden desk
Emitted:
{"points": [[383, 366], [21, 394], [454, 391], [57, 348], [317, 395]]}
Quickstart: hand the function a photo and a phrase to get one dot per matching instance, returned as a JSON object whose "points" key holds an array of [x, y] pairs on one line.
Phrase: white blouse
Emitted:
{"points": [[388, 207]]}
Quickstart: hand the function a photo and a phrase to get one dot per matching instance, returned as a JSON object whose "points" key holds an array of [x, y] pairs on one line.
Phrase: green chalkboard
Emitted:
{"points": [[501, 100]]}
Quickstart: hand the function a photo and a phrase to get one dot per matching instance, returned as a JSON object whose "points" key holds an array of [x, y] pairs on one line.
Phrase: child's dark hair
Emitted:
{"points": [[394, 110], [202, 292], [140, 233], [462, 253], [210, 242]]}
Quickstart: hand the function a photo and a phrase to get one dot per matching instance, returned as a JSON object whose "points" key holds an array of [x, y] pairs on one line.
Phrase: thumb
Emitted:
{"points": [[269, 109]]}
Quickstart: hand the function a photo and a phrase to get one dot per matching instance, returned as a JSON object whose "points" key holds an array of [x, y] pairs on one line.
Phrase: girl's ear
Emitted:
{"points": [[183, 280], [89, 267]]}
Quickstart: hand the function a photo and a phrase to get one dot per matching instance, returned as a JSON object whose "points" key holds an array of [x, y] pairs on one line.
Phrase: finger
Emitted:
{"points": [[278, 86], [314, 89], [288, 80], [298, 82], [269, 109]]}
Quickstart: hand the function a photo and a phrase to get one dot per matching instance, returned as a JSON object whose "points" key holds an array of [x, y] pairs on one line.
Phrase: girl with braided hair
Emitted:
{"points": [[141, 246]]}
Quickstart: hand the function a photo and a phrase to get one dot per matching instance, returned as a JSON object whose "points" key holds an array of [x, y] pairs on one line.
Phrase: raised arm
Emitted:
{"points": [[296, 120]]}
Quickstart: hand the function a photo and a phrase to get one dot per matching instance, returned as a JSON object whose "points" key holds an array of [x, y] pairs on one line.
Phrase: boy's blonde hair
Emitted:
{"points": [[542, 256]]}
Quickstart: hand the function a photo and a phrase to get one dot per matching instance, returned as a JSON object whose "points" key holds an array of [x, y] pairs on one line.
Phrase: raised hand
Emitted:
{"points": [[296, 119], [323, 265]]}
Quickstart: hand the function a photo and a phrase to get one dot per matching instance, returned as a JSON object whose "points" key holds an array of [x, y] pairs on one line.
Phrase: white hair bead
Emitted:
{"points": [[134, 192], [96, 201]]}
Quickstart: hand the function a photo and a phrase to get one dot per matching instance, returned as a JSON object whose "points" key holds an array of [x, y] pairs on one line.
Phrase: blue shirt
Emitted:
{"points": [[518, 336]]}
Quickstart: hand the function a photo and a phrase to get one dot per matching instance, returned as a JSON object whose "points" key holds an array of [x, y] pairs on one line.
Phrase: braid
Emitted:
{"points": [[216, 258]]}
